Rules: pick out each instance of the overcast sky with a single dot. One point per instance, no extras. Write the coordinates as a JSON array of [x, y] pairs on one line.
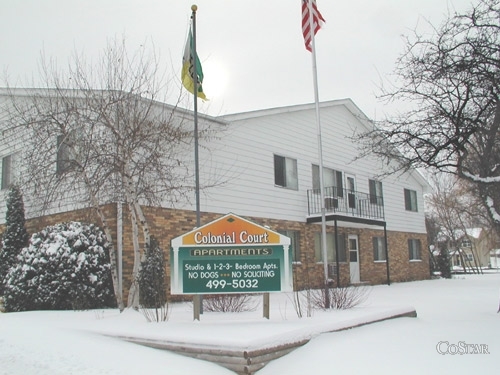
[[252, 51]]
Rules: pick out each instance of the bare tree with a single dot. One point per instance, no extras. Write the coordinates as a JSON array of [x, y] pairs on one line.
[[433, 230], [455, 210], [101, 133], [450, 83]]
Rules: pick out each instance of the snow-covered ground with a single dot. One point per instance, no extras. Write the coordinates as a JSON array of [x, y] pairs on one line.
[[454, 316]]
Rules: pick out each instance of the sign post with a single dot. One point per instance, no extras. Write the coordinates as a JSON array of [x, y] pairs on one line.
[[231, 255]]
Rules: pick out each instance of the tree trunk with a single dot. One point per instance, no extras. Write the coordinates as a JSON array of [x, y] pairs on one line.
[[137, 215], [475, 257], [462, 259], [144, 224], [133, 293], [112, 260], [132, 197], [112, 254]]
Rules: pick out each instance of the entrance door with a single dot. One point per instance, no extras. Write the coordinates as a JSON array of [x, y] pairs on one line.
[[354, 258]]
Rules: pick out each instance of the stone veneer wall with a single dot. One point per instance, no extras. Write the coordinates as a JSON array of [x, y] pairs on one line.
[[166, 224]]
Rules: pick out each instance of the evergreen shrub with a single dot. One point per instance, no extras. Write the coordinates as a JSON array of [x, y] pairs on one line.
[[65, 267]]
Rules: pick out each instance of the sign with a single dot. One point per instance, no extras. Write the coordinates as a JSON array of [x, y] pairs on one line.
[[230, 255]]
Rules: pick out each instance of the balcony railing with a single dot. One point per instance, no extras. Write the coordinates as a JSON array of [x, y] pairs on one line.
[[346, 202]]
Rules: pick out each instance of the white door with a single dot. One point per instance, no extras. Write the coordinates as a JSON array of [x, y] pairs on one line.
[[354, 258]]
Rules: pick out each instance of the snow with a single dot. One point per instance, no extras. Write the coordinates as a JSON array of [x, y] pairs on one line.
[[463, 309], [490, 203], [471, 232]]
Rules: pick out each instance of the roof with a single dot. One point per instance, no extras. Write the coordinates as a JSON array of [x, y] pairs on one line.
[[470, 232], [346, 102], [75, 93]]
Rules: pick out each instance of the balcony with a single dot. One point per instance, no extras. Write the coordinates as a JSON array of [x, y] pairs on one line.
[[345, 203]]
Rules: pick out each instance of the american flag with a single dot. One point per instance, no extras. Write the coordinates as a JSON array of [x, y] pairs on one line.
[[306, 26]]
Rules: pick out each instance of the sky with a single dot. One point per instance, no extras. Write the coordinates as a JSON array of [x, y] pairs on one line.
[[453, 315], [252, 51]]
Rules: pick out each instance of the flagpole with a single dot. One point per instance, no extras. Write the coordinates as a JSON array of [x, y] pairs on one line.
[[197, 299], [320, 154], [194, 8]]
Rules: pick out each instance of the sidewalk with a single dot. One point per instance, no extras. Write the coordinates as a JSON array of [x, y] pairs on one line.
[[242, 356]]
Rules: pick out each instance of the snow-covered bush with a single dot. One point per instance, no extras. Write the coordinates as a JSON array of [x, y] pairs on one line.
[[443, 262], [15, 236], [65, 267], [152, 286]]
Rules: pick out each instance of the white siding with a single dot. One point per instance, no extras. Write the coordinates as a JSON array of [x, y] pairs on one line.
[[246, 155], [10, 143], [239, 164], [66, 195]]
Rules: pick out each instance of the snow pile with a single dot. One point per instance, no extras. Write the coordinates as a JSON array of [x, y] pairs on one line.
[[462, 309]]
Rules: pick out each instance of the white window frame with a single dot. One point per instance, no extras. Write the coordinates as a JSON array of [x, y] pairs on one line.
[[294, 243], [65, 156], [333, 179], [330, 248], [376, 192], [411, 203], [68, 150], [6, 172], [9, 170], [466, 243], [288, 176], [379, 252], [414, 249]]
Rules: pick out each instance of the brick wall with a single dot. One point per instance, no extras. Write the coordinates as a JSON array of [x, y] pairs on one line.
[[401, 268], [166, 224]]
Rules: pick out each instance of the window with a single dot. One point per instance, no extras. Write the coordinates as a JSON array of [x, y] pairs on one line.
[[379, 249], [376, 194], [9, 170], [65, 154], [414, 249], [294, 244], [332, 181], [330, 248], [6, 171], [285, 172], [410, 200], [466, 243]]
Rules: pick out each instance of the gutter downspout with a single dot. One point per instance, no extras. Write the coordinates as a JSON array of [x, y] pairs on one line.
[[387, 256]]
